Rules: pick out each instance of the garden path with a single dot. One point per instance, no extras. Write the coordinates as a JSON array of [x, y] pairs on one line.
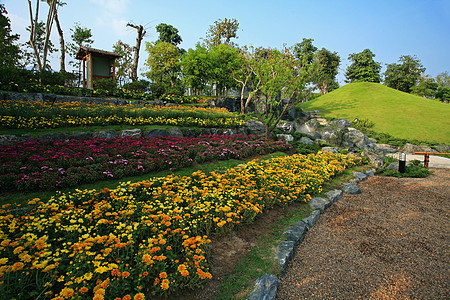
[[390, 242]]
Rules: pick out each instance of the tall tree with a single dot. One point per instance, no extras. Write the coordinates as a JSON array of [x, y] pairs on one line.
[[363, 68], [164, 63], [281, 85], [427, 87], [304, 52], [124, 64], [246, 78], [9, 50], [404, 75], [443, 79], [196, 69], [39, 43], [62, 44], [41, 61], [221, 32], [324, 70], [169, 34], [81, 36], [225, 60], [140, 35]]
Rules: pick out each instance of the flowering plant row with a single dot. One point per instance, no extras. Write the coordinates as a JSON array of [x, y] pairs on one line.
[[146, 238], [33, 115], [33, 165]]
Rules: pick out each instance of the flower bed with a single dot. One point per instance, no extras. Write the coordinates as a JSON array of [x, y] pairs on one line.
[[145, 238], [33, 165], [34, 115]]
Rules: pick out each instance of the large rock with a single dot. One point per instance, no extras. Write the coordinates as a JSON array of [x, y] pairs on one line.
[[156, 132], [131, 133], [350, 188], [375, 159], [341, 123], [286, 126], [105, 134], [385, 148], [331, 134], [286, 137], [175, 131], [230, 104], [255, 127], [265, 288], [334, 195], [359, 176], [312, 219], [8, 139], [319, 203], [411, 149], [285, 253], [330, 149], [81, 135], [57, 136], [308, 127], [297, 232], [305, 140], [357, 139]]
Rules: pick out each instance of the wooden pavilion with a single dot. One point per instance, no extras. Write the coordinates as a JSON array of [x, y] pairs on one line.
[[96, 64]]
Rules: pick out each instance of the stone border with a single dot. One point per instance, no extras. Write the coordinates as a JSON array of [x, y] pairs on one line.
[[266, 286]]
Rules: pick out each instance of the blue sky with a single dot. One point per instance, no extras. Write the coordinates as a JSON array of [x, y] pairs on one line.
[[389, 28]]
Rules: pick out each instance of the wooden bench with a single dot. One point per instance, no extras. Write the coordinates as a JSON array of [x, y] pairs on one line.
[[426, 159]]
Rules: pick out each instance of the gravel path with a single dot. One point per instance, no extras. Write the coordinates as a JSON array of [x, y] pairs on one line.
[[390, 242]]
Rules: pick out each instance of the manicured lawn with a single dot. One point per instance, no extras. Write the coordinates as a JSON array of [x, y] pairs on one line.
[[399, 114]]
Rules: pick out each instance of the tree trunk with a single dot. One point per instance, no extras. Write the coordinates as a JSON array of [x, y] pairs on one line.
[[141, 34], [62, 58]]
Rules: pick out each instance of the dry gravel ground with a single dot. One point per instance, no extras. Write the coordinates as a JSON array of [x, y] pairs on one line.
[[390, 242]]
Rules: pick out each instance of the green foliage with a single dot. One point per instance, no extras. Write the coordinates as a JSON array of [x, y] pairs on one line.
[[410, 171], [362, 123], [324, 70], [164, 63], [427, 87], [124, 64], [304, 52], [443, 94], [404, 75], [168, 34], [105, 83], [39, 42], [224, 61], [221, 32], [307, 149], [443, 79], [363, 68], [9, 50], [137, 86], [81, 36], [196, 68]]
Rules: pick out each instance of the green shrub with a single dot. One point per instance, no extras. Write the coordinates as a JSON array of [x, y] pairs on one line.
[[410, 171], [105, 84]]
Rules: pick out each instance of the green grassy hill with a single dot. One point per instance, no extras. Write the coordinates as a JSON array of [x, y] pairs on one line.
[[399, 114]]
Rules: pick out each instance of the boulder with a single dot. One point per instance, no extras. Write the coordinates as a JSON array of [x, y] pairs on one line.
[[357, 139], [131, 133], [305, 140], [359, 176], [105, 134], [330, 134], [312, 219], [156, 132], [286, 126], [375, 159], [308, 127], [286, 137], [330, 149], [8, 139], [285, 253], [334, 195], [57, 136], [319, 203], [385, 148], [341, 123], [175, 131], [188, 132], [255, 127], [411, 149], [350, 188], [230, 104], [297, 232], [265, 288], [81, 135]]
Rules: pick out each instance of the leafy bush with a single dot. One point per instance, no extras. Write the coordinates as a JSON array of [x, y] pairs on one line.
[[105, 84], [410, 171], [137, 86]]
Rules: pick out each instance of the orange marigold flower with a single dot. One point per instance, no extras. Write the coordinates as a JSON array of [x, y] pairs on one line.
[[98, 297], [145, 274], [83, 290], [165, 284], [139, 296], [162, 241], [163, 275], [115, 272], [157, 281], [126, 297], [184, 273], [125, 274], [67, 292]]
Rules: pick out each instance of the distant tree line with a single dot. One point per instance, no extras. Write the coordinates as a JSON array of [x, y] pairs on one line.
[[216, 66]]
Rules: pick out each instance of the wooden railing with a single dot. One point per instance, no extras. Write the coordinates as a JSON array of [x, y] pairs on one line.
[[426, 159]]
